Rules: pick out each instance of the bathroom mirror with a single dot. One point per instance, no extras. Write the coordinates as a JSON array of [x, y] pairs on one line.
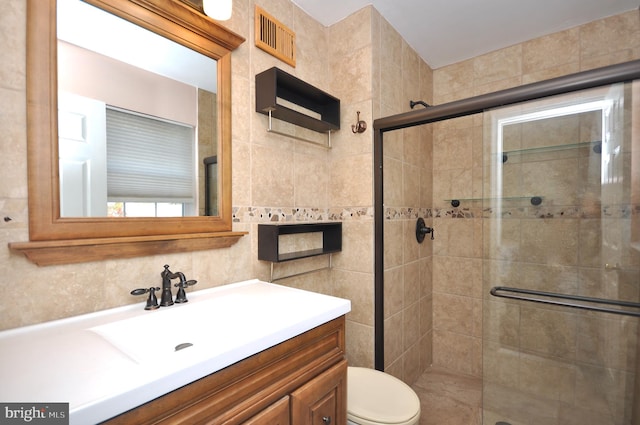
[[136, 119], [58, 239]]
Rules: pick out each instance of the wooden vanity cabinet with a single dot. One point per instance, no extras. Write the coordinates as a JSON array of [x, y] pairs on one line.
[[301, 381], [276, 414], [322, 401]]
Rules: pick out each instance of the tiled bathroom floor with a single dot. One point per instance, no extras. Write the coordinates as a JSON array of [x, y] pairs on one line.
[[449, 399]]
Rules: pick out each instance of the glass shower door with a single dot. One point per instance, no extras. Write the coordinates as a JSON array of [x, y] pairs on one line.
[[561, 269]]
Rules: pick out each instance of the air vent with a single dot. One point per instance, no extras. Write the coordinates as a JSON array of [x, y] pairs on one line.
[[275, 38]]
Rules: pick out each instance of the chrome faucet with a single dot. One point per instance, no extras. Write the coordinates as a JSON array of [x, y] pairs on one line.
[[167, 296]]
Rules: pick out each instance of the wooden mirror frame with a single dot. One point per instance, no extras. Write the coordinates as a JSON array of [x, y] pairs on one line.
[[63, 240]]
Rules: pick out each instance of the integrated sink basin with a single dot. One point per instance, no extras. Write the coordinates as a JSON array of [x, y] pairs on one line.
[[160, 335], [108, 362], [200, 328]]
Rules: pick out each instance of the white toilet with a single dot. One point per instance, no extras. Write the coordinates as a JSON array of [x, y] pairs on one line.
[[377, 398]]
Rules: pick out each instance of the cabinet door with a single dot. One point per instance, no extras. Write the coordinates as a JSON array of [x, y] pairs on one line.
[[276, 414], [323, 400]]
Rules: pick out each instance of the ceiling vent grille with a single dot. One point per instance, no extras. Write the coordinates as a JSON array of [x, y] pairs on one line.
[[275, 38]]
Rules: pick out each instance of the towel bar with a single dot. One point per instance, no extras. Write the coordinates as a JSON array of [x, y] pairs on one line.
[[514, 293]]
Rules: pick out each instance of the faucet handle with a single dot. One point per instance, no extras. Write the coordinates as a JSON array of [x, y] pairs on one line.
[[181, 296], [152, 301], [186, 283]]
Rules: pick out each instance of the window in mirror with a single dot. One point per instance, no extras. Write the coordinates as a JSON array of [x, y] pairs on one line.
[[150, 161]]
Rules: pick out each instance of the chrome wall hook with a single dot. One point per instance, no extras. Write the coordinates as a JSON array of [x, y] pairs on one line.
[[360, 126]]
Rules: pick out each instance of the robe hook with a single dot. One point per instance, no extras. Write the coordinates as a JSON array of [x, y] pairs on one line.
[[360, 126]]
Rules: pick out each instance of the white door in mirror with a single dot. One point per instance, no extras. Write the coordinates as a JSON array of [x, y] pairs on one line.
[[83, 156]]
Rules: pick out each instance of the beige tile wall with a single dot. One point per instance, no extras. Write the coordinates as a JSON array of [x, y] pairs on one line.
[[350, 176], [400, 76]]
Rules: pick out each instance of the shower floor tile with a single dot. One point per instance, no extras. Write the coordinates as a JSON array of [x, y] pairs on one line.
[[447, 398]]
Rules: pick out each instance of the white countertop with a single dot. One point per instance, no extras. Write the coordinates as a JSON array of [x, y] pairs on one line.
[[111, 361]]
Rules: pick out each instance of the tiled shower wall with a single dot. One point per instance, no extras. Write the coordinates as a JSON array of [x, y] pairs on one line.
[[400, 76], [458, 173]]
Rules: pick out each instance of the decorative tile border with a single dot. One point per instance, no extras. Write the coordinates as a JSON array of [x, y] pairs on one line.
[[530, 212], [286, 215], [406, 213]]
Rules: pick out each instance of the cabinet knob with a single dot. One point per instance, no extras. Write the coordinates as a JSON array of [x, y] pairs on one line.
[[326, 419]]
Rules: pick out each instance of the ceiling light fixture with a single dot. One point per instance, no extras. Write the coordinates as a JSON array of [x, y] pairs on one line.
[[220, 10]]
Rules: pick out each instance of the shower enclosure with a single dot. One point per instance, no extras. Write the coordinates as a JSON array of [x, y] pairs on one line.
[[559, 208], [561, 261]]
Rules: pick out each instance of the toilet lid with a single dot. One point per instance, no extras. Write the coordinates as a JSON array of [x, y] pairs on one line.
[[380, 398]]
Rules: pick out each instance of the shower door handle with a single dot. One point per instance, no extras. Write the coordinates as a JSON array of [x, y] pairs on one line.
[[561, 300]]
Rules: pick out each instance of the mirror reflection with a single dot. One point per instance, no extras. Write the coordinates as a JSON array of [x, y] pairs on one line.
[[137, 119]]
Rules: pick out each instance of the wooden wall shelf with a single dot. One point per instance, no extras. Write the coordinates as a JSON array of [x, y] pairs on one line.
[[269, 244], [275, 85], [47, 253]]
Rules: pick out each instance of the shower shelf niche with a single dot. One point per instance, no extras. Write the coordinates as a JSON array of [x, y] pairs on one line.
[[596, 146], [533, 200]]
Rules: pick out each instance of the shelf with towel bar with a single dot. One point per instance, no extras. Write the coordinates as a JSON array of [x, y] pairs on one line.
[[269, 240], [285, 97], [269, 243], [562, 300]]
